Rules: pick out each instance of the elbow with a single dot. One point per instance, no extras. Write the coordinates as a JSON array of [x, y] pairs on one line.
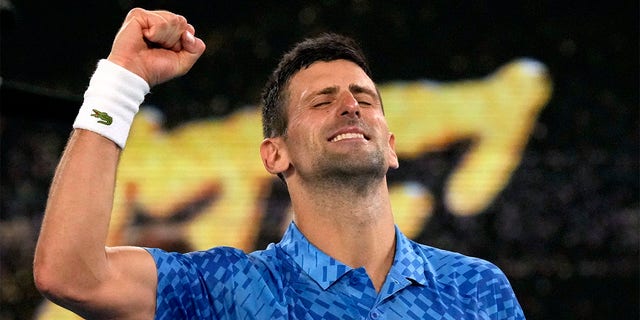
[[66, 279], [46, 281], [45, 276], [54, 289], [50, 282], [65, 291]]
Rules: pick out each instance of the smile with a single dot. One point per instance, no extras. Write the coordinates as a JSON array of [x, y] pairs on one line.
[[349, 135]]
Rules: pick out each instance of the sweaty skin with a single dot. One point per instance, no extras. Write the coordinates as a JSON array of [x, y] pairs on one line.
[[338, 186]]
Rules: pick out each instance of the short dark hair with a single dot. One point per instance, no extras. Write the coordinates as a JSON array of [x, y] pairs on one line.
[[325, 47]]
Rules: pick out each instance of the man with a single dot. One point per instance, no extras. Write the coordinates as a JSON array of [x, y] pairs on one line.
[[325, 136]]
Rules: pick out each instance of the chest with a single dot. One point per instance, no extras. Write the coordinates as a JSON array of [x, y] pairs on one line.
[[352, 296]]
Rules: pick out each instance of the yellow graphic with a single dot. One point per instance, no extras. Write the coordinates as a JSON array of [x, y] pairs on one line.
[[203, 184]]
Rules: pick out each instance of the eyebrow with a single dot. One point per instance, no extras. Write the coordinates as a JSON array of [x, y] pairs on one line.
[[327, 90], [353, 88]]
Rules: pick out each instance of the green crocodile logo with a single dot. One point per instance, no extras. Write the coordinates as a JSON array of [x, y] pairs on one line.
[[104, 117]]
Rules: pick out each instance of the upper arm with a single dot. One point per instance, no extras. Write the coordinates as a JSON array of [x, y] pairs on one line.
[[129, 289]]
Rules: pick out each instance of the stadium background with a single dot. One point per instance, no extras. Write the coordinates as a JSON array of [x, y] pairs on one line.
[[574, 196]]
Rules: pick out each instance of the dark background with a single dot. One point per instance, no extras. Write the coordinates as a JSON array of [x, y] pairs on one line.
[[565, 229]]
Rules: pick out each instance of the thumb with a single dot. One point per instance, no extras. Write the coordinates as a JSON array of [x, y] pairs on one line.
[[192, 44], [192, 49]]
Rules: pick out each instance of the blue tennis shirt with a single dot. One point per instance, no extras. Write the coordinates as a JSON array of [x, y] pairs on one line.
[[295, 280]]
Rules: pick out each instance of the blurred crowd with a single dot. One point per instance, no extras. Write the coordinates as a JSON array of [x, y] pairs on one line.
[[566, 228]]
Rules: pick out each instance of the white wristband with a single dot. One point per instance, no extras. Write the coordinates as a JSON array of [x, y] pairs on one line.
[[111, 101]]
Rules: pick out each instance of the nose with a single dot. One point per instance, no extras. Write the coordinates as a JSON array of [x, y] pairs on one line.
[[349, 106]]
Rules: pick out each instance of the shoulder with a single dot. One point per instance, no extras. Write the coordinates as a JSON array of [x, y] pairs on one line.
[[221, 259], [213, 254], [188, 282], [457, 269], [470, 279], [217, 256], [471, 283], [210, 265]]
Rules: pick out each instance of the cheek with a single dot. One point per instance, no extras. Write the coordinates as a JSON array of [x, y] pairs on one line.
[[299, 135], [295, 130], [295, 119], [381, 124], [303, 127]]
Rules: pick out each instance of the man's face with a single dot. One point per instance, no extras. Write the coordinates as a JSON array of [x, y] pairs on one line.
[[336, 125]]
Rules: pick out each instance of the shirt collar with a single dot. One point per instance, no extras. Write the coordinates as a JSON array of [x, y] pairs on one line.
[[325, 270], [408, 263]]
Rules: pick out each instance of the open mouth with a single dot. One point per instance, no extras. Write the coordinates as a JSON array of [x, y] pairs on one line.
[[348, 135]]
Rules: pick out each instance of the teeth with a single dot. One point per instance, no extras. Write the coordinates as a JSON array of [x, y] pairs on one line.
[[347, 136]]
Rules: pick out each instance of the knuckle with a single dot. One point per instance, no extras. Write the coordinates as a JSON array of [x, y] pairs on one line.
[[135, 11], [177, 20]]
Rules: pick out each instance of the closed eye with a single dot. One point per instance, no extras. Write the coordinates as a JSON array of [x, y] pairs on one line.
[[364, 99], [320, 104]]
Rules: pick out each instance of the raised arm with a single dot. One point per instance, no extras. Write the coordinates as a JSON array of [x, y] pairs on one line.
[[72, 265]]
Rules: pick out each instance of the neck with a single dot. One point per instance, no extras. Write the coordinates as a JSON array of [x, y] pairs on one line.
[[350, 225]]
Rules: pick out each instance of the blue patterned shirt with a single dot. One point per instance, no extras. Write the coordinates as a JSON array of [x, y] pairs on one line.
[[295, 280]]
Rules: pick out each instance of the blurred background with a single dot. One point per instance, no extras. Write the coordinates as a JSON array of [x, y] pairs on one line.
[[565, 228]]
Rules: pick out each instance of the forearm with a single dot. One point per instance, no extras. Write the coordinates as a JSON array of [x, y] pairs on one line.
[[72, 267], [70, 256], [71, 247]]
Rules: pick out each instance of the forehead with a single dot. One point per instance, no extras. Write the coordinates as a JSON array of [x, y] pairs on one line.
[[322, 74]]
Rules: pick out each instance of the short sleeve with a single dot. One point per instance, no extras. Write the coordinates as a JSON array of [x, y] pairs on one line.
[[194, 285]]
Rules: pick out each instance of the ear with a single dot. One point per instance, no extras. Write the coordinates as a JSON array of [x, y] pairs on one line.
[[392, 156], [274, 155]]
